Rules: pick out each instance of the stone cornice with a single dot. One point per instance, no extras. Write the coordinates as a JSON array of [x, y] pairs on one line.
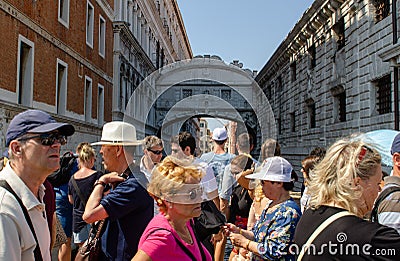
[[391, 54], [312, 20], [105, 6], [182, 26], [122, 28]]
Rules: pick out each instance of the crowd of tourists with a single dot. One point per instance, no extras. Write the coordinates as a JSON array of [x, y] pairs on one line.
[[178, 206]]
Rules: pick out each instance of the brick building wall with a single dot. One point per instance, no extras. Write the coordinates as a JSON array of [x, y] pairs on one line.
[[37, 24]]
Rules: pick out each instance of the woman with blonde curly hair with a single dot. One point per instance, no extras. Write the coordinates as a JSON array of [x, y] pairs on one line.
[[343, 187], [175, 186]]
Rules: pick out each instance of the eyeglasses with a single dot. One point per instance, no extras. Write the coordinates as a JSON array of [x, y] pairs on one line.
[[157, 152], [48, 139], [175, 150], [191, 195]]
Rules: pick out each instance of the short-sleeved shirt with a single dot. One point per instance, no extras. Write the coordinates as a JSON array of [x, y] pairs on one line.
[[160, 244], [85, 186], [274, 231], [130, 209], [16, 239], [217, 162], [208, 181], [228, 183], [359, 239]]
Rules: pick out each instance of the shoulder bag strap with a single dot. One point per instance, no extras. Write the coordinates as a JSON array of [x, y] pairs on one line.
[[78, 191], [378, 201], [38, 254], [203, 255], [320, 229]]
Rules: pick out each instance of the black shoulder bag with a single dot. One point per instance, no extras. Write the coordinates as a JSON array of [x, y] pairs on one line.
[[37, 253]]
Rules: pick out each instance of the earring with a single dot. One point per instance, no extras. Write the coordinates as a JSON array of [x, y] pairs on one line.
[[170, 206]]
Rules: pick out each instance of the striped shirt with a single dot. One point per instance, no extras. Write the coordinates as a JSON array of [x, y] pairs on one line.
[[389, 209]]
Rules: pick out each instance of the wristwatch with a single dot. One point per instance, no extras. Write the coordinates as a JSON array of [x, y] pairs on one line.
[[99, 182]]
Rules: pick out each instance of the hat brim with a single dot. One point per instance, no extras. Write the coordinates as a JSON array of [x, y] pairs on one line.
[[119, 143], [63, 128], [273, 177]]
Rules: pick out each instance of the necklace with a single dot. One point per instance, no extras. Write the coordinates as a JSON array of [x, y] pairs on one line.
[[185, 236]]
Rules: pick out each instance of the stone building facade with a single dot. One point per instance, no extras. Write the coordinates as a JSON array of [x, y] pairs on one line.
[[148, 35], [331, 77]]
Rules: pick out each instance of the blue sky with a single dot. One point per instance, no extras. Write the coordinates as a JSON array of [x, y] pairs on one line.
[[248, 31]]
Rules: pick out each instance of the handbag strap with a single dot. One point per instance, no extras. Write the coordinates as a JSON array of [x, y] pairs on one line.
[[78, 191], [319, 229], [36, 251], [100, 228], [203, 255]]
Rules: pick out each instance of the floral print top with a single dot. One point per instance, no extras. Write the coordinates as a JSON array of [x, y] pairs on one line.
[[274, 231]]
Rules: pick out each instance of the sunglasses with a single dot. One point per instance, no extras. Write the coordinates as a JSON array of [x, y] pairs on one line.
[[157, 152], [48, 139], [192, 194]]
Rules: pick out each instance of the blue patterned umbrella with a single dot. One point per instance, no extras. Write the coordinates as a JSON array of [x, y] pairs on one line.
[[382, 140]]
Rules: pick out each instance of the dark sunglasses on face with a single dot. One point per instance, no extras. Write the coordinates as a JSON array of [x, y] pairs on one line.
[[48, 139], [157, 152]]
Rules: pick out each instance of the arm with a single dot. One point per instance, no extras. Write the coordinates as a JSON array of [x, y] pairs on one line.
[[11, 247], [252, 217], [224, 205], [70, 199], [94, 211], [141, 256]]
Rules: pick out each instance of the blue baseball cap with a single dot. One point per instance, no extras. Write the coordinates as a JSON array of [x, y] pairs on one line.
[[395, 144], [35, 121]]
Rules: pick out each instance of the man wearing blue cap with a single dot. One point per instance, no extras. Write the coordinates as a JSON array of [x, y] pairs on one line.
[[34, 140], [388, 209]]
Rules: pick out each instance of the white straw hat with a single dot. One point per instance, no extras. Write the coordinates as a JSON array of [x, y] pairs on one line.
[[273, 169], [118, 133]]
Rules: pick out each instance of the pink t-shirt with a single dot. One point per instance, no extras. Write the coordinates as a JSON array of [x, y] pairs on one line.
[[161, 244]]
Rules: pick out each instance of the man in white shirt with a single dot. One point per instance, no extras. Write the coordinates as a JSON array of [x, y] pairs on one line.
[[152, 148], [34, 140]]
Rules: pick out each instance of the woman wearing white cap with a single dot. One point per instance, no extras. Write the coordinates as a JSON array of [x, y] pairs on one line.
[[272, 235]]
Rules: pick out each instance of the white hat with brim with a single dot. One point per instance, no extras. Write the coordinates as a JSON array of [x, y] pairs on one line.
[[273, 169], [118, 133]]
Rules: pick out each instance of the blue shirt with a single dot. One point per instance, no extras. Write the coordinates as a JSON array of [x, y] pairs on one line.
[[217, 162], [130, 209], [274, 231]]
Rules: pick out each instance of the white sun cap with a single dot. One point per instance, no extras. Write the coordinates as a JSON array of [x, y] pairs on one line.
[[273, 169]]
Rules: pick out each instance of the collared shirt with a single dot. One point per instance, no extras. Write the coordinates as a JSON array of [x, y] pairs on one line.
[[16, 239]]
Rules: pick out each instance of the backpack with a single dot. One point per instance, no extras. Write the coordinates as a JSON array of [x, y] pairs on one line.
[[381, 197], [63, 174]]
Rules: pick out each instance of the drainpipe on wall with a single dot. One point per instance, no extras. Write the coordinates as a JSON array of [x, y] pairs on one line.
[[395, 69]]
